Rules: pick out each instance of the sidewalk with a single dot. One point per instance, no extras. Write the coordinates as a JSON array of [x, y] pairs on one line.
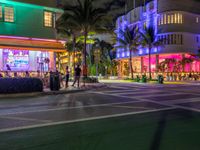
[[187, 82], [70, 89]]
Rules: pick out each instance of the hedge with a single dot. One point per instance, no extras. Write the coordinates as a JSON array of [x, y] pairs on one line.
[[20, 85]]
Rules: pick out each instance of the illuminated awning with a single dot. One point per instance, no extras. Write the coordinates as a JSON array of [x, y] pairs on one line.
[[31, 44]]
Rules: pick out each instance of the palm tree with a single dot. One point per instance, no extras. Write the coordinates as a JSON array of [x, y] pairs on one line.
[[74, 47], [165, 65], [150, 41], [68, 32], [84, 17], [129, 38], [184, 61], [101, 49]]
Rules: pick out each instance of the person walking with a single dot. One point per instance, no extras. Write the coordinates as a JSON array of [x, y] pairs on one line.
[[67, 77], [77, 75], [27, 74]]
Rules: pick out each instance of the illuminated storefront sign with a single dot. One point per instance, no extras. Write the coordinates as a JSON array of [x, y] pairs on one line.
[[25, 60], [16, 59]]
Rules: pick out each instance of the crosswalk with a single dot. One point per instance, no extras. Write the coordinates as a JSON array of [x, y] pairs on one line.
[[178, 96]]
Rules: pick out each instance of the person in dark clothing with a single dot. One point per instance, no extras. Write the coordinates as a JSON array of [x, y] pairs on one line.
[[8, 67], [77, 75], [67, 77]]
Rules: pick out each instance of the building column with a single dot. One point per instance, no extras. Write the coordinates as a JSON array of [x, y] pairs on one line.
[[119, 69], [142, 64], [183, 56], [157, 63]]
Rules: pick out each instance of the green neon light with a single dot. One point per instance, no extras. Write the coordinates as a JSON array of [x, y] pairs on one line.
[[30, 5]]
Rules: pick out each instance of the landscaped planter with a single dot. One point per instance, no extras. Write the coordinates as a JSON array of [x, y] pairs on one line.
[[20, 85]]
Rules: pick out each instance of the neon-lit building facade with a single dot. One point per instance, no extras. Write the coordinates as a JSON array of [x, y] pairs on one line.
[[27, 36], [176, 23]]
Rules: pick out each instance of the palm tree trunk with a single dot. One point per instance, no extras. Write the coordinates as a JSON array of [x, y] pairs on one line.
[[150, 62], [84, 54], [130, 63], [97, 70], [74, 50]]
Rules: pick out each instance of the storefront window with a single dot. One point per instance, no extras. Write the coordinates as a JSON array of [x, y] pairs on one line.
[[43, 61]]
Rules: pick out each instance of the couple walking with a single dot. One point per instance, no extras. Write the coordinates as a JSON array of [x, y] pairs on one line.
[[77, 75]]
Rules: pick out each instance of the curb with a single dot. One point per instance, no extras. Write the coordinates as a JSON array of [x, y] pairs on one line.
[[28, 95]]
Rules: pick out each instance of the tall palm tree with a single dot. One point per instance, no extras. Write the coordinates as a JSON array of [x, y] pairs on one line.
[[85, 17], [129, 38], [150, 41]]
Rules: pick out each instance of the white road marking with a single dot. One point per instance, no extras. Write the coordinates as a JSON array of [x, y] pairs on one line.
[[67, 108], [25, 119], [157, 102], [183, 101], [141, 99], [131, 107], [81, 120]]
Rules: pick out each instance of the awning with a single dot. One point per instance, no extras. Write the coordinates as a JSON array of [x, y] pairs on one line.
[[32, 44]]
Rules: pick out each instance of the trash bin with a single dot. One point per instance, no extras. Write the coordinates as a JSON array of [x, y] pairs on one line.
[[51, 80], [160, 79], [144, 78], [54, 81]]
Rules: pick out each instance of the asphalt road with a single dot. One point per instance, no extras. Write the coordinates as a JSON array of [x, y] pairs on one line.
[[117, 101]]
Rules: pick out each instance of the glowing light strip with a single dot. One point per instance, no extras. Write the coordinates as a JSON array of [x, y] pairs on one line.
[[27, 38]]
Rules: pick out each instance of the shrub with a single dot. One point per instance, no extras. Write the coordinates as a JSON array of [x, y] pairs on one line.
[[90, 80], [20, 85]]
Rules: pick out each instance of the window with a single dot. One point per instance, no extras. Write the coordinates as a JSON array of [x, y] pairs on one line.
[[168, 39], [48, 19], [159, 20], [175, 39], [171, 39], [172, 18], [181, 36], [165, 18], [1, 13], [197, 19], [8, 14], [180, 18], [168, 19], [175, 18], [162, 21]]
